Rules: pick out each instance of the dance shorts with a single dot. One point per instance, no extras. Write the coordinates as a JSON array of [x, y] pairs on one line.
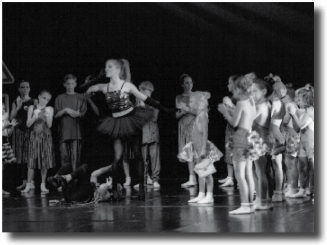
[[306, 148]]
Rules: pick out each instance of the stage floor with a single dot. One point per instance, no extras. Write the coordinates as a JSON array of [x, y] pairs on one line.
[[165, 210]]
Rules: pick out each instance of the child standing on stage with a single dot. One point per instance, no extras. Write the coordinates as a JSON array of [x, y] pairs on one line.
[[69, 108], [150, 140], [276, 136], [244, 115], [260, 93], [7, 129], [200, 148], [41, 153], [305, 100], [292, 143], [229, 133]]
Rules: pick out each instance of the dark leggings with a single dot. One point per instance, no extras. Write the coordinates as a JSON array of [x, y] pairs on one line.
[[80, 190], [136, 144]]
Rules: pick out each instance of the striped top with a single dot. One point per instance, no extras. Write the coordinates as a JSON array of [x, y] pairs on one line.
[[118, 100]]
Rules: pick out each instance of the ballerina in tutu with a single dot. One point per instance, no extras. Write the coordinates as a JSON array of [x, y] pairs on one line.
[[201, 151], [125, 121]]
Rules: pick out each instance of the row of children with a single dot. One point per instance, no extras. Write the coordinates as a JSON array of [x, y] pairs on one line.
[[266, 119], [29, 125]]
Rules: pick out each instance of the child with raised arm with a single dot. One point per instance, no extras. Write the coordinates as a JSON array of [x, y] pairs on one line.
[[201, 149], [260, 93], [41, 152], [305, 122], [242, 120], [276, 136], [69, 108], [230, 104], [7, 129]]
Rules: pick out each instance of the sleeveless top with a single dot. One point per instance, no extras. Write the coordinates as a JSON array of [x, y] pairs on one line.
[[118, 100]]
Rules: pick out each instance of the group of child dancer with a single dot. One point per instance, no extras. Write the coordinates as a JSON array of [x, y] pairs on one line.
[[266, 119], [267, 122]]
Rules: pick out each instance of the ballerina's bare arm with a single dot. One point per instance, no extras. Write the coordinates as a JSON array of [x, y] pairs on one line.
[[30, 119], [133, 90]]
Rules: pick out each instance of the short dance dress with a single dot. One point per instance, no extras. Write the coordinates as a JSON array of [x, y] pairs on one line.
[[127, 125]]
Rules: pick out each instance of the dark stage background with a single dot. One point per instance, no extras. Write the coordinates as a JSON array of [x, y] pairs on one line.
[[209, 41]]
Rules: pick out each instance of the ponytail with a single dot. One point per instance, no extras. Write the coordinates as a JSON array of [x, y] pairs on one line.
[[125, 73]]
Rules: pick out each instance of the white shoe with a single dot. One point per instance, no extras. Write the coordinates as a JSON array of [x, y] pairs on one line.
[[149, 181], [156, 184], [188, 184], [278, 196], [136, 186], [197, 199], [127, 181], [228, 183], [244, 209], [221, 181], [5, 192], [300, 194], [59, 189], [27, 188], [43, 189], [207, 199]]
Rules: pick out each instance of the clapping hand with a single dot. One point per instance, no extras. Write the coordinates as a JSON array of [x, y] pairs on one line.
[[228, 102], [291, 109], [222, 108]]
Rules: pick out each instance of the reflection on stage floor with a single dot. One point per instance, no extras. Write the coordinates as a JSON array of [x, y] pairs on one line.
[[165, 210]]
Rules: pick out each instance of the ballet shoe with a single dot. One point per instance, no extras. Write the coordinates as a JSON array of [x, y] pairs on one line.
[[290, 192], [197, 199], [278, 197], [300, 194], [207, 199], [43, 188], [137, 186], [221, 181], [27, 188], [127, 181], [22, 186], [229, 182], [308, 192], [5, 192], [244, 209], [188, 184], [262, 205], [32, 185], [149, 181], [156, 184]]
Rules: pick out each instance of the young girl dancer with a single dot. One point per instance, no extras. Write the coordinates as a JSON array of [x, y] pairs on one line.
[[41, 152], [185, 123], [21, 134], [260, 93], [229, 133], [7, 129], [200, 148], [292, 142], [276, 136], [244, 115], [126, 122], [305, 100]]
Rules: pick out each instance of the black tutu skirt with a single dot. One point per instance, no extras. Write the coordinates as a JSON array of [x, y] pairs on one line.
[[127, 125]]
